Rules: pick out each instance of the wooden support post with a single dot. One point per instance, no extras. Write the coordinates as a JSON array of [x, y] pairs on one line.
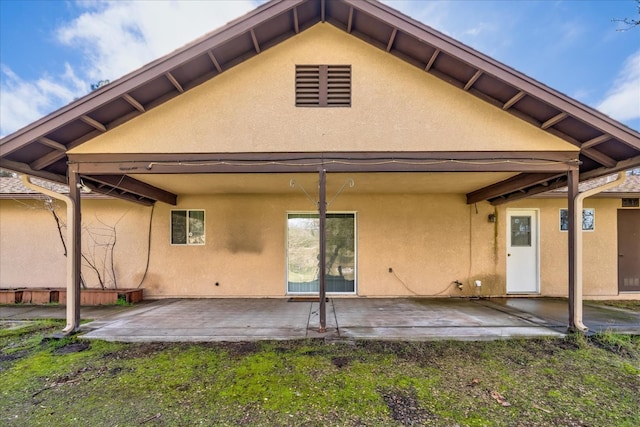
[[572, 192], [322, 209], [75, 249]]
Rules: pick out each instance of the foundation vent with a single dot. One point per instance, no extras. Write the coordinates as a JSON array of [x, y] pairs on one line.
[[323, 85]]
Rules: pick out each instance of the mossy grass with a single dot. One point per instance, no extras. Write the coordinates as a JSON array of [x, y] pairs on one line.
[[545, 382]]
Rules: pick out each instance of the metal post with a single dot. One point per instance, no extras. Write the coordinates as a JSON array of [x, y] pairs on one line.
[[73, 295], [572, 192], [322, 209]]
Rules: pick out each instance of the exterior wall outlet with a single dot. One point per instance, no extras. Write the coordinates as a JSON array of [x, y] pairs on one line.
[[478, 283]]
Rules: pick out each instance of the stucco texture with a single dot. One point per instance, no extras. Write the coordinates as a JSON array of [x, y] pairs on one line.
[[395, 106]]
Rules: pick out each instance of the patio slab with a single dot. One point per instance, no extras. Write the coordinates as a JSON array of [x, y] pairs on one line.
[[406, 319]]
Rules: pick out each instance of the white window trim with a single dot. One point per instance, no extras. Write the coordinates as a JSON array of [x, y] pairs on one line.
[[187, 231]]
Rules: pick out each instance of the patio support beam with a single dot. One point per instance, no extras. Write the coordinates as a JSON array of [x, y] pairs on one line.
[[134, 186], [573, 178], [509, 185], [75, 251], [322, 210]]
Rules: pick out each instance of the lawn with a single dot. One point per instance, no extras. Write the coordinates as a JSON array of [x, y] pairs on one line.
[[543, 382]]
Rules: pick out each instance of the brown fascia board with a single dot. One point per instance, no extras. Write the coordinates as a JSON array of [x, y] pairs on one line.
[[133, 80], [499, 70]]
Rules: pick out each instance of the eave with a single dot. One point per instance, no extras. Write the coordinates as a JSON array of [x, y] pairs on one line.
[[606, 146]]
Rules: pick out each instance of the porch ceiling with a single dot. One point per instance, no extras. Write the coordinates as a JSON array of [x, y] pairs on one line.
[[606, 146], [364, 183]]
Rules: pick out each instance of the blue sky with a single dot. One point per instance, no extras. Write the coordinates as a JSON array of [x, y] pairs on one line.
[[51, 51]]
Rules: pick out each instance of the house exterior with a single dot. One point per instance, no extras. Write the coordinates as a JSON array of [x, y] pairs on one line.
[[338, 133]]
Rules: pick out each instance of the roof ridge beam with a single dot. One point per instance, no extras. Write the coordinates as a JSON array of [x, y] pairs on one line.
[[94, 123]]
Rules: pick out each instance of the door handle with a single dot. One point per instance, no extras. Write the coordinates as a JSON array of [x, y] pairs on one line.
[[620, 255]]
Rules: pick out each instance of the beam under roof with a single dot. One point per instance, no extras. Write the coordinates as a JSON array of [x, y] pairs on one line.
[[133, 186], [509, 185]]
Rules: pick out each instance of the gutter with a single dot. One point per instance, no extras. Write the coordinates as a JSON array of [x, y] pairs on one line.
[[72, 323], [577, 204]]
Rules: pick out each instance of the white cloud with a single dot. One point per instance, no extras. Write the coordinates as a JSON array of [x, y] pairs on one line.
[[114, 38], [622, 101], [25, 101]]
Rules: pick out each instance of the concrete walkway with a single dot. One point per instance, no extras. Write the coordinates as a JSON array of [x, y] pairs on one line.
[[193, 320]]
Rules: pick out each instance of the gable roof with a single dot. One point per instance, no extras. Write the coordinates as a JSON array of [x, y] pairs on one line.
[[605, 145]]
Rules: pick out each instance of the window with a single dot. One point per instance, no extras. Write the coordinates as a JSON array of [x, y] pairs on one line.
[[187, 227], [323, 85], [588, 219], [303, 241]]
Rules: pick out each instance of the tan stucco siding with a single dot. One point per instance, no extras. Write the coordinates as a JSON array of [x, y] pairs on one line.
[[429, 240], [600, 260], [32, 253], [395, 106]]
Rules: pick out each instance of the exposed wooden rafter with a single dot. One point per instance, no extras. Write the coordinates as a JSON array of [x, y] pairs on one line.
[[91, 122], [133, 186], [516, 183], [392, 39], [27, 170], [595, 141], [432, 60], [473, 79], [52, 144], [515, 98], [296, 24], [174, 82], [215, 61], [599, 157], [323, 10], [350, 20], [46, 160], [133, 102], [553, 120], [256, 45]]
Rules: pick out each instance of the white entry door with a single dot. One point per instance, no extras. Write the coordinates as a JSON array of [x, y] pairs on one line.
[[523, 272]]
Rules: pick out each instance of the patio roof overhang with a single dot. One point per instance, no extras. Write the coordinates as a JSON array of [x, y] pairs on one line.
[[40, 149]]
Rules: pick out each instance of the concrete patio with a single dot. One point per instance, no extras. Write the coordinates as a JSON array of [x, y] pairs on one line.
[[347, 318]]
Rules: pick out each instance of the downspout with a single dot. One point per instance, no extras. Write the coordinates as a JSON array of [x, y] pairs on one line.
[[577, 203], [72, 323]]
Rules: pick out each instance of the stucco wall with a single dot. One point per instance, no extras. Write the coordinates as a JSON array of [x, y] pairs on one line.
[[429, 240], [395, 106], [600, 260], [32, 254]]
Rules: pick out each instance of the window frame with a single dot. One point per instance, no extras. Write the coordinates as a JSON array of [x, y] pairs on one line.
[[355, 252], [187, 227]]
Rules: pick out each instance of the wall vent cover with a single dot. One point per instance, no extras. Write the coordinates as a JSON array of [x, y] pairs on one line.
[[323, 85]]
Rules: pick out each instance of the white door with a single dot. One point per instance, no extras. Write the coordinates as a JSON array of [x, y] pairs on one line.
[[522, 252]]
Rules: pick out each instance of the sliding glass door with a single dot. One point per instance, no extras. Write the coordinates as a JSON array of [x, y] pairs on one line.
[[303, 241]]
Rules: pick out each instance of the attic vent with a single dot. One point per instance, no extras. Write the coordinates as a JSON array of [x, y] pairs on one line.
[[323, 85]]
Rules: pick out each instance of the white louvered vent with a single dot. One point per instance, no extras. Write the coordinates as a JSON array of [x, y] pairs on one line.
[[323, 85]]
